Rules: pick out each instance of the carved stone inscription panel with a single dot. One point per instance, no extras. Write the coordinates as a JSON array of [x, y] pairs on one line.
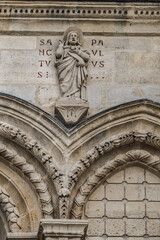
[[120, 69], [126, 206]]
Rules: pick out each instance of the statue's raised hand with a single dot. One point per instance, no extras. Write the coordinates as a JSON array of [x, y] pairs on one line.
[[60, 43]]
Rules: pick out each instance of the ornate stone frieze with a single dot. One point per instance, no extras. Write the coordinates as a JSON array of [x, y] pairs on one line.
[[140, 156], [71, 64], [10, 210], [100, 11]]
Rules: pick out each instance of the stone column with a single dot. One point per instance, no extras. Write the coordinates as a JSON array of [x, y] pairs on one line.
[[62, 229]]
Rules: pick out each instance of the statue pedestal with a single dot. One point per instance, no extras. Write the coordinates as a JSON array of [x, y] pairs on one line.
[[71, 111]]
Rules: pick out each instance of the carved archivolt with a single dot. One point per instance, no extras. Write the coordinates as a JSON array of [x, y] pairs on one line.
[[140, 156], [107, 146], [34, 177], [33, 147], [48, 162], [10, 210]]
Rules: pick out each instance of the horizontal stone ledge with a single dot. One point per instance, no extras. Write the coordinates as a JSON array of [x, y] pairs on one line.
[[79, 10], [22, 236], [56, 27], [54, 228]]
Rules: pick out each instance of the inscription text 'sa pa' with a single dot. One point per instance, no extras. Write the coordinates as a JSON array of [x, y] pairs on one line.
[[71, 63]]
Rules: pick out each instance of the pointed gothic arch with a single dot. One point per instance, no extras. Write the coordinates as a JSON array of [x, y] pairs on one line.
[[140, 157], [55, 159]]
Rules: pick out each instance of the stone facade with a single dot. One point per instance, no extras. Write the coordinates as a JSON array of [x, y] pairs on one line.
[[99, 179]]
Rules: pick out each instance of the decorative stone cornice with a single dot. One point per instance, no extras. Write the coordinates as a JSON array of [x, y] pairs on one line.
[[55, 10], [139, 156]]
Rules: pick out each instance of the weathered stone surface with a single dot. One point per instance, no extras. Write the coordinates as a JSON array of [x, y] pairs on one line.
[[153, 192], [62, 229], [94, 209], [95, 227], [105, 170], [134, 175], [18, 42], [135, 227], [131, 216], [114, 192], [115, 227], [135, 209], [114, 209], [123, 56], [135, 192]]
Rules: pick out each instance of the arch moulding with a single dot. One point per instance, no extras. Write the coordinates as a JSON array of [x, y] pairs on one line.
[[56, 148], [140, 157]]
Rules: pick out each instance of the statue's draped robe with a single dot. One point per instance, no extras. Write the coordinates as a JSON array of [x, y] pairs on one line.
[[72, 77]]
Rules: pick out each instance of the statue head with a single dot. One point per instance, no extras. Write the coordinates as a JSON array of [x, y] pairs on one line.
[[73, 36]]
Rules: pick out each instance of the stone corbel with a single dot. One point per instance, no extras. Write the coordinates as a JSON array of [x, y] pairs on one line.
[[62, 229]]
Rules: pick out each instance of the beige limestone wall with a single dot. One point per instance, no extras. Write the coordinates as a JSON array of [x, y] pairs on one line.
[[121, 69], [126, 205], [123, 41]]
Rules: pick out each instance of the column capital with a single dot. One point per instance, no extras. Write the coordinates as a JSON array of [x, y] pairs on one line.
[[65, 229]]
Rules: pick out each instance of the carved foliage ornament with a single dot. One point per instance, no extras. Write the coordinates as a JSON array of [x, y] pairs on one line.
[[71, 64], [34, 177], [10, 210], [107, 146], [47, 160], [33, 147]]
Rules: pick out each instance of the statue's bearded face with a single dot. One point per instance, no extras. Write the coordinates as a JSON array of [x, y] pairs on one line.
[[73, 38]]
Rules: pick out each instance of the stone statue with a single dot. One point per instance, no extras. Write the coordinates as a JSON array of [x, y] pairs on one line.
[[71, 64]]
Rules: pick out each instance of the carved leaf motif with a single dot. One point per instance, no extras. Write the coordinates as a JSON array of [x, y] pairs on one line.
[[34, 177], [11, 211]]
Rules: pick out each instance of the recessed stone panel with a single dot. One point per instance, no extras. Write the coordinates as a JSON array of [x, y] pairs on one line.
[[114, 209], [115, 227], [98, 194], [134, 175], [153, 192], [94, 209], [152, 178], [116, 178], [135, 227], [153, 209], [114, 191], [96, 227], [135, 209], [135, 192], [153, 227]]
